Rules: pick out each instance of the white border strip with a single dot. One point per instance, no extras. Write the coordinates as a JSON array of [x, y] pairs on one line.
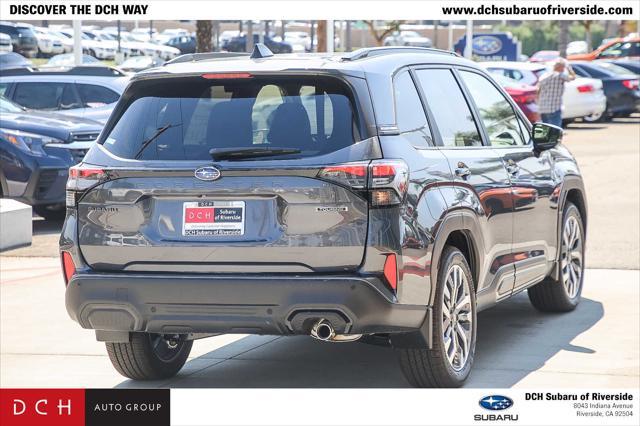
[[312, 9], [377, 407]]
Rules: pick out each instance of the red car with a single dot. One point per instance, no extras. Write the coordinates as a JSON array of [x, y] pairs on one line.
[[524, 95]]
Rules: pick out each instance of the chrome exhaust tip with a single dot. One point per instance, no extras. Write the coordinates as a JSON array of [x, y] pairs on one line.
[[323, 330]]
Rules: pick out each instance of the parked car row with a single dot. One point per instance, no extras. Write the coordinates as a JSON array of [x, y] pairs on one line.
[[36, 150], [602, 90]]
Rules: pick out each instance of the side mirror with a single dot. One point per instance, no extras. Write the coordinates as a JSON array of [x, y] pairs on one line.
[[546, 136]]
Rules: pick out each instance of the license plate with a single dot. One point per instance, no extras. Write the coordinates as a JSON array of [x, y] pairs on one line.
[[212, 218]]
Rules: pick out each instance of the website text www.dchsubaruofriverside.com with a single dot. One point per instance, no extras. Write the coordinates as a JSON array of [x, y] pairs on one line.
[[549, 9]]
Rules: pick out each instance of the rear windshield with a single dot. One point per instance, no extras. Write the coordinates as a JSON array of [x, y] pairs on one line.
[[196, 114]]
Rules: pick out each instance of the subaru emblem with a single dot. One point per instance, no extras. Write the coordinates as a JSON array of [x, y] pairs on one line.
[[207, 173], [496, 402]]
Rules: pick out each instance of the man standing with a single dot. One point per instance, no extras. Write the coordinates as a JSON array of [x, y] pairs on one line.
[[550, 91]]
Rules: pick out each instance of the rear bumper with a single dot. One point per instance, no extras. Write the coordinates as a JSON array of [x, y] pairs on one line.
[[233, 304]]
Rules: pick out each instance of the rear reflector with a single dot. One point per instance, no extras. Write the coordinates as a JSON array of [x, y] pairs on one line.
[[68, 267], [630, 84], [585, 88], [391, 271], [226, 75]]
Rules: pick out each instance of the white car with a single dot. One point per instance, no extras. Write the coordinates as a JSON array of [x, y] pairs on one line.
[[299, 40], [108, 40], [142, 34], [5, 43], [48, 45], [583, 97], [67, 43], [95, 48], [148, 49], [407, 38]]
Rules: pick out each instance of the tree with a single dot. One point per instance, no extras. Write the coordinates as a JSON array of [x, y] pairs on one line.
[[563, 38], [203, 36], [587, 34], [322, 36], [388, 28]]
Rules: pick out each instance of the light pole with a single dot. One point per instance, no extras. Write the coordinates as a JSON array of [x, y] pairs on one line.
[[330, 37], [77, 42], [468, 46]]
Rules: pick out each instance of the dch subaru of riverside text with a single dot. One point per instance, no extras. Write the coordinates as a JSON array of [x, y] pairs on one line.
[[384, 196]]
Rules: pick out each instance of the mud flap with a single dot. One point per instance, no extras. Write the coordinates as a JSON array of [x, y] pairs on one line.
[[419, 339]]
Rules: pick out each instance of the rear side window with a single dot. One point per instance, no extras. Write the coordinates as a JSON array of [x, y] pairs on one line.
[[496, 113], [410, 116], [46, 96], [7, 29], [93, 96], [312, 115], [449, 108]]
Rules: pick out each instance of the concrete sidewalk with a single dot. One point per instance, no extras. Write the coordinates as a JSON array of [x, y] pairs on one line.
[[517, 346]]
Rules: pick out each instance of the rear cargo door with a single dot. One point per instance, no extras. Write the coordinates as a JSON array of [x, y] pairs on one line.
[[254, 204]]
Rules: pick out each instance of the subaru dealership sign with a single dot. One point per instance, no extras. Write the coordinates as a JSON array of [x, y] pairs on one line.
[[492, 47]]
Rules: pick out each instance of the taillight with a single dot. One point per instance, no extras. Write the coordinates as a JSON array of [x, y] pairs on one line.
[[353, 175], [226, 75], [80, 179], [390, 271], [68, 267], [585, 88], [630, 84], [388, 182], [385, 180]]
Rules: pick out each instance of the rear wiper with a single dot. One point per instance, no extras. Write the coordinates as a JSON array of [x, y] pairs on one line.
[[242, 153], [146, 143]]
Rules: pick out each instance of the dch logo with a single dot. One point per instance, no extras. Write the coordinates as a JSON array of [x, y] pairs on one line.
[[43, 407], [40, 407]]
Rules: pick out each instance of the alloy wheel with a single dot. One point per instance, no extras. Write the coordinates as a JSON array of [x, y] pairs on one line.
[[457, 318], [571, 262]]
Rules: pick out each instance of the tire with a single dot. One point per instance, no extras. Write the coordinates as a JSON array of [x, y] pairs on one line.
[[595, 117], [424, 367], [563, 295], [54, 213], [147, 357]]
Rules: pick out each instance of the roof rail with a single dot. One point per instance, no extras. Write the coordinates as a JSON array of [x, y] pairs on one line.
[[369, 52], [197, 57], [88, 70]]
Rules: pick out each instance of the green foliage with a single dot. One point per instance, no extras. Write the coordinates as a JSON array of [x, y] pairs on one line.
[[543, 35]]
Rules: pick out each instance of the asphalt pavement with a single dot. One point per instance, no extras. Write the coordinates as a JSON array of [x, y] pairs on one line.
[[597, 345]]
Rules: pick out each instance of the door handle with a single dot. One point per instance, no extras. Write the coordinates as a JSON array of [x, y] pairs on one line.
[[463, 171]]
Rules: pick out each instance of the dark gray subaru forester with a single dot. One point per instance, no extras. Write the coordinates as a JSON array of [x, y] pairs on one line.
[[386, 195]]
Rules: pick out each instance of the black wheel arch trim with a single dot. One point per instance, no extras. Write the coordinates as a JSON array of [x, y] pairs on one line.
[[464, 221], [569, 183]]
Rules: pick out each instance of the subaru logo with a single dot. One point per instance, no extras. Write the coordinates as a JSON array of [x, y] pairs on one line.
[[496, 402], [207, 173], [486, 45]]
